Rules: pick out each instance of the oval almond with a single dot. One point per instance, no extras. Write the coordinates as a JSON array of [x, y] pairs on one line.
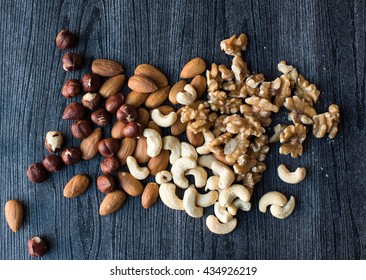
[[157, 97], [89, 145], [126, 149], [112, 86], [178, 127], [195, 139], [150, 195], [117, 128], [153, 73], [154, 126], [130, 184], [14, 214], [193, 68], [76, 186], [159, 163], [142, 84], [106, 67], [112, 202], [141, 150], [143, 116], [136, 99], [199, 84], [178, 87]]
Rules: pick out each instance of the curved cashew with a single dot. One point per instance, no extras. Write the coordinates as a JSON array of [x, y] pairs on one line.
[[271, 198], [238, 204], [188, 96], [189, 203], [172, 144], [227, 176], [199, 174], [222, 214], [169, 198], [140, 173], [212, 183], [206, 161], [207, 199], [154, 142], [187, 150], [228, 195], [163, 120], [179, 168], [291, 177], [208, 136], [215, 226], [163, 176], [282, 212]]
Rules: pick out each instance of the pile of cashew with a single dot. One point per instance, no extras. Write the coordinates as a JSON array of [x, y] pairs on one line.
[[280, 208]]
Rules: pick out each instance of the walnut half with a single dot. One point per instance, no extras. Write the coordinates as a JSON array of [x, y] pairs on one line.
[[327, 123], [292, 138]]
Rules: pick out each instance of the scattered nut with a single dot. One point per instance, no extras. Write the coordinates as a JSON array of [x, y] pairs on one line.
[[90, 82], [132, 130], [89, 145], [163, 120], [140, 173], [130, 184], [142, 84], [126, 113], [172, 144], [109, 165], [72, 62], [76, 186], [108, 147], [169, 198], [74, 111], [106, 67], [154, 142], [150, 195], [193, 68], [178, 170], [112, 202], [65, 39], [91, 100], [189, 203], [140, 153], [52, 163], [101, 117], [163, 176], [71, 88], [291, 177], [114, 102], [53, 141], [37, 173], [106, 183], [71, 156], [112, 86], [37, 246], [14, 214], [126, 149], [81, 129], [216, 227]]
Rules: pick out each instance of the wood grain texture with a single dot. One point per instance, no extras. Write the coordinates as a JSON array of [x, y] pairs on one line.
[[325, 40]]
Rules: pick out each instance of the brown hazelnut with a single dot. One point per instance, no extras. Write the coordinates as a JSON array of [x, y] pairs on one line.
[[37, 173], [114, 102], [108, 147], [132, 130], [71, 88], [36, 246], [106, 183], [72, 61], [74, 111], [101, 117], [53, 163], [90, 82], [53, 141], [65, 39], [71, 156], [109, 165], [81, 129], [91, 100], [127, 113]]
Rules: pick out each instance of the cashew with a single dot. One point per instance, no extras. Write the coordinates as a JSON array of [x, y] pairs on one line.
[[212, 183], [282, 212], [189, 203], [179, 168], [208, 136], [140, 173], [163, 120], [163, 176], [227, 176], [215, 226], [172, 144], [168, 196], [206, 161], [187, 150], [222, 214], [199, 174], [154, 142], [207, 199], [291, 177], [238, 204], [271, 198], [188, 96], [228, 195]]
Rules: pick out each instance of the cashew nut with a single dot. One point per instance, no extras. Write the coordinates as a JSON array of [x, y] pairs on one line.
[[208, 136], [271, 198], [228, 195], [199, 174], [212, 183], [206, 161], [163, 176], [163, 120], [189, 203], [187, 150], [291, 177], [215, 226], [154, 142], [140, 173], [172, 144], [168, 196], [188, 96], [282, 212], [238, 204], [227, 176], [222, 214], [207, 199], [178, 170]]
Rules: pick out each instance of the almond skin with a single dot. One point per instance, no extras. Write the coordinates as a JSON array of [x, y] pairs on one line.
[[89, 145], [136, 99], [141, 150], [14, 214], [153, 125], [112, 86], [199, 84], [112, 202], [157, 97], [126, 149], [195, 139], [117, 128], [130, 184], [165, 109], [159, 163], [150, 195], [76, 186], [178, 87], [153, 73], [143, 116], [106, 67], [178, 127], [142, 84], [193, 68]]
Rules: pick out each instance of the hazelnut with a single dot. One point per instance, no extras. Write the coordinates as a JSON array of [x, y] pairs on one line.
[[109, 165], [132, 130], [81, 129], [90, 82], [71, 156], [108, 147], [53, 163], [65, 39], [72, 61], [127, 113], [53, 141], [37, 173], [71, 88], [106, 183], [114, 102], [36, 246], [91, 100], [74, 111], [101, 117]]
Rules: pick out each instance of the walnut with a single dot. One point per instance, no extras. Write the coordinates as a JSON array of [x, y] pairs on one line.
[[236, 124], [306, 91], [289, 71], [301, 111], [201, 118], [234, 45], [219, 102], [215, 146], [269, 89], [283, 91], [219, 126], [277, 132], [292, 138], [247, 110], [326, 123], [261, 106], [249, 87], [226, 74], [213, 77], [258, 148], [236, 147], [239, 68], [244, 164]]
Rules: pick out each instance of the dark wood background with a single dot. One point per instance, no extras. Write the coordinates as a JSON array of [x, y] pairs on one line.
[[325, 40]]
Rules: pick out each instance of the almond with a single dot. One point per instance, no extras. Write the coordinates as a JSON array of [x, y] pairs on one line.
[[150, 195], [165, 109], [178, 87], [154, 126], [199, 84], [76, 186], [112, 202], [129, 184], [112, 86], [153, 73], [195, 139], [193, 68], [126, 149], [89, 145], [157, 97], [142, 84], [141, 150], [106, 67], [14, 214], [136, 99], [117, 128], [143, 116], [178, 127], [159, 163]]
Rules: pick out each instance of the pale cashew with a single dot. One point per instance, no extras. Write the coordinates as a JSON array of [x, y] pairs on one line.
[[207, 199], [282, 212], [206, 161], [238, 204], [291, 177], [189, 203], [188, 96], [168, 196], [222, 214], [199, 174], [271, 198], [215, 226], [227, 176], [163, 120], [188, 150], [212, 183], [178, 170], [154, 142], [208, 136], [172, 144], [163, 176], [140, 173], [228, 195]]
